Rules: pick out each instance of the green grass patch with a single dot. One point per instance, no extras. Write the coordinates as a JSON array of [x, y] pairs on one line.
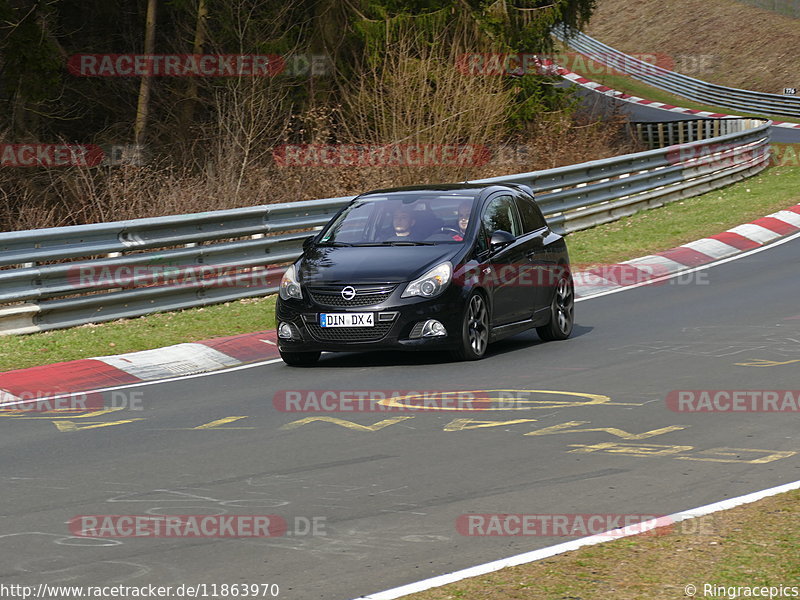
[[687, 220], [641, 234], [142, 333], [753, 546]]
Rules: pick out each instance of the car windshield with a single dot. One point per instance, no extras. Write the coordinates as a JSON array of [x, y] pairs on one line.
[[403, 218]]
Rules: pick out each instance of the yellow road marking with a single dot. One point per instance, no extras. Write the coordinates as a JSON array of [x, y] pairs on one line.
[[345, 423], [52, 415], [632, 449], [462, 424], [731, 454], [67, 426], [217, 424], [565, 428], [762, 362]]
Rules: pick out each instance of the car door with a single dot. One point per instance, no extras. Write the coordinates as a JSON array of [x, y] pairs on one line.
[[538, 242], [501, 268]]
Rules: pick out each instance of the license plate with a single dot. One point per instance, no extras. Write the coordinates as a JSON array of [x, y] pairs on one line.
[[347, 319]]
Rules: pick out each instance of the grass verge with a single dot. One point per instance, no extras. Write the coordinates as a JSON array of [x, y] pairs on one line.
[[687, 220], [638, 235], [753, 545], [142, 333]]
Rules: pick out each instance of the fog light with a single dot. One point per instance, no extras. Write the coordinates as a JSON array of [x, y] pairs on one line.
[[433, 328], [429, 328], [285, 331]]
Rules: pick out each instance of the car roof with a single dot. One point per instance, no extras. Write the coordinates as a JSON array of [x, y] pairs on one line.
[[466, 187]]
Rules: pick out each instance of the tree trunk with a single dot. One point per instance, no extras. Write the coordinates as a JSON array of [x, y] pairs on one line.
[[187, 114], [144, 86]]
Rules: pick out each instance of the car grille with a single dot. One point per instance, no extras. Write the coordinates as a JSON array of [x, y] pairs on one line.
[[366, 295], [349, 334]]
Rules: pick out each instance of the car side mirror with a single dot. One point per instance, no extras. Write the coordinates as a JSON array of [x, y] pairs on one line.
[[308, 242], [500, 238]]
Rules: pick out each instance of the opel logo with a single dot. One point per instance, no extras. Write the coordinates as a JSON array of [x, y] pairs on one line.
[[348, 292]]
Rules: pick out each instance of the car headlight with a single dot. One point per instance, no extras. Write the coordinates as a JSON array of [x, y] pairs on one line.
[[431, 283], [290, 287]]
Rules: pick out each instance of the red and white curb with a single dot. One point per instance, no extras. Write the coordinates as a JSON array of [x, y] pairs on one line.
[[135, 367], [103, 372], [740, 239], [625, 97]]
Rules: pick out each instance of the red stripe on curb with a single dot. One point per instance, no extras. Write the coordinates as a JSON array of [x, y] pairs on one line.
[[247, 347], [686, 256], [736, 240], [63, 378], [776, 225]]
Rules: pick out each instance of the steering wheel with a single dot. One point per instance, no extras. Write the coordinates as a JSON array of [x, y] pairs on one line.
[[451, 230]]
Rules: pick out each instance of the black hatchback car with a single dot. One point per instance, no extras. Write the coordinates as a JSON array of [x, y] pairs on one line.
[[440, 267]]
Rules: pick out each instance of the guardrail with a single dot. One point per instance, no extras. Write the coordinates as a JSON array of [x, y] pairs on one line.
[[130, 268], [679, 84]]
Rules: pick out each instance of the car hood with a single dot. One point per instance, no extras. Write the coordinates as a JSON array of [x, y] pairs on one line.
[[371, 264]]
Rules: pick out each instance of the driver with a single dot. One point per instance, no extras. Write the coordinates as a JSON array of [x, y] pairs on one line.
[[464, 211]]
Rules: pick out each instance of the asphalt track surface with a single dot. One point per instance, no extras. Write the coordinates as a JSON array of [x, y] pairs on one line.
[[601, 104], [390, 493]]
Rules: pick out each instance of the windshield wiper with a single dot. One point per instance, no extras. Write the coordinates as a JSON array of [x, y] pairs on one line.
[[404, 243], [335, 244]]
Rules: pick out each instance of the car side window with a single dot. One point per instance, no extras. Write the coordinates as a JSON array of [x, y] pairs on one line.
[[532, 218], [501, 213]]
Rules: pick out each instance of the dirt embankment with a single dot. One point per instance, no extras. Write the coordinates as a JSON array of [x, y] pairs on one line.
[[721, 41]]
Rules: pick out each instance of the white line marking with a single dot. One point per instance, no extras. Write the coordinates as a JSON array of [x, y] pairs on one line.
[[533, 556], [693, 269]]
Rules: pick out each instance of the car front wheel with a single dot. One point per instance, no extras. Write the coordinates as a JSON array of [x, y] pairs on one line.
[[562, 311], [474, 329]]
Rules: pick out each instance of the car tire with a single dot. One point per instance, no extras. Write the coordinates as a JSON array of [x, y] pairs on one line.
[[562, 311], [474, 329], [300, 359]]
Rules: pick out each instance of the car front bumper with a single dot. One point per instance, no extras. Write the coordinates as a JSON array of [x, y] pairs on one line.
[[394, 321]]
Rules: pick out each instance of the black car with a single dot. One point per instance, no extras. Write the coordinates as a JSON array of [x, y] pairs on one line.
[[440, 267]]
